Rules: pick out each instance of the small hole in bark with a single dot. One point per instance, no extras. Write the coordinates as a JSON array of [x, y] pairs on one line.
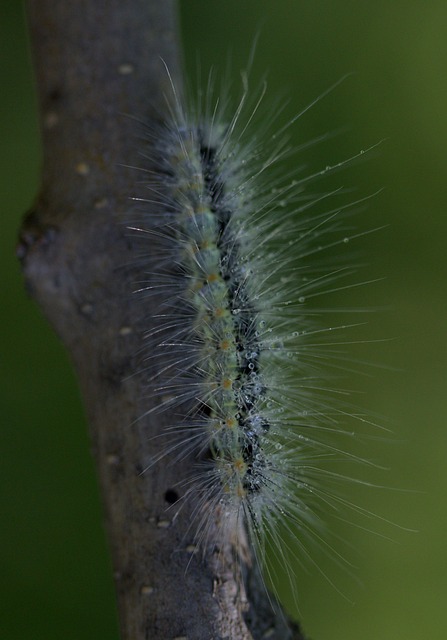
[[55, 95], [171, 496]]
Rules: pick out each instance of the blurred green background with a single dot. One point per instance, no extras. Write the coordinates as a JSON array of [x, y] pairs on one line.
[[55, 574]]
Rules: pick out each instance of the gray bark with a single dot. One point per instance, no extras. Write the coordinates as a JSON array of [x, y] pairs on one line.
[[97, 64]]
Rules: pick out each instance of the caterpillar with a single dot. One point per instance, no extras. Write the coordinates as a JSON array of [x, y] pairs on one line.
[[246, 366]]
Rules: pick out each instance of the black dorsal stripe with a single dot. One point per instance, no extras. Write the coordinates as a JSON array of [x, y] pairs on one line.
[[243, 310]]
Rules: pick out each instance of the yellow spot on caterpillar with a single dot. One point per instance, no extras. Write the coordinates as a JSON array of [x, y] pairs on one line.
[[240, 491], [227, 383], [230, 423], [239, 464], [212, 277], [225, 345]]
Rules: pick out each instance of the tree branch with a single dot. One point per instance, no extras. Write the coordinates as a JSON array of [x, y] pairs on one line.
[[94, 65]]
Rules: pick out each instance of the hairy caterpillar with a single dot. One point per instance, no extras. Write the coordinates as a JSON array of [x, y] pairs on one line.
[[250, 373]]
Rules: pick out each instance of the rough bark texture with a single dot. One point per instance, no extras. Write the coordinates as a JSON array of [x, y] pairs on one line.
[[95, 63]]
